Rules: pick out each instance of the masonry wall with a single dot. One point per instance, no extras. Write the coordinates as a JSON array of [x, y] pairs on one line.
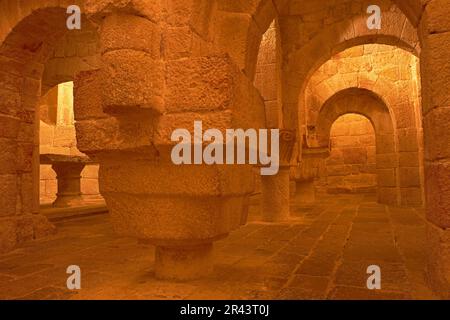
[[392, 74], [351, 167], [266, 77]]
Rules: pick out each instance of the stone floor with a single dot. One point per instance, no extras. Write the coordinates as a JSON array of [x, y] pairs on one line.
[[323, 253]]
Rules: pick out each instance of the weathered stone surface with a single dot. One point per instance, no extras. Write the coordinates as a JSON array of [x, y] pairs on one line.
[[196, 204], [131, 80], [275, 196], [439, 260], [88, 102], [113, 134], [409, 177], [212, 83], [16, 230], [141, 35], [258, 261], [149, 9], [436, 134], [8, 156], [387, 195], [175, 263], [9, 127], [8, 237], [8, 190], [437, 177]]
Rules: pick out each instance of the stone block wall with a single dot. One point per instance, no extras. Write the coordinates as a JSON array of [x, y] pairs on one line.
[[391, 74], [267, 76], [351, 167]]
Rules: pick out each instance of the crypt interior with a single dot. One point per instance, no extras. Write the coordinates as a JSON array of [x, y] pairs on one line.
[[86, 178]]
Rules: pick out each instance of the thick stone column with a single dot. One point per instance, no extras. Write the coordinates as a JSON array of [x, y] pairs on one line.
[[275, 196], [125, 115], [68, 173], [275, 190], [69, 184], [435, 67]]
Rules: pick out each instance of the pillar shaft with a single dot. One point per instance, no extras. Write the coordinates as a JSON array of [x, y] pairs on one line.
[[69, 184], [275, 196]]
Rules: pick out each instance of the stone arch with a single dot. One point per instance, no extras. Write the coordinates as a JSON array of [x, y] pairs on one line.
[[398, 87], [16, 11], [268, 75], [240, 27], [328, 89], [371, 106], [237, 27], [34, 30], [77, 51], [302, 63], [412, 8]]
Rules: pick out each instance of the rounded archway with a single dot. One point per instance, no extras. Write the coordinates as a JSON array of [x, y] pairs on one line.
[[392, 75], [351, 166], [368, 104]]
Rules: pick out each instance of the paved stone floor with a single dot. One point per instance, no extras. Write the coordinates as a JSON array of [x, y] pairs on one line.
[[323, 253]]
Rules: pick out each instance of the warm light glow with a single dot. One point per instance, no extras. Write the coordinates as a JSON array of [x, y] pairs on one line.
[[65, 104]]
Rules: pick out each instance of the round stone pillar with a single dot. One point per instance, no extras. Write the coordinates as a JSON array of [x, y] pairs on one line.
[[275, 196], [68, 173], [69, 186]]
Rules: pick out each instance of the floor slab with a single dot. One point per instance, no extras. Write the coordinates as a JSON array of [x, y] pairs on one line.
[[322, 253]]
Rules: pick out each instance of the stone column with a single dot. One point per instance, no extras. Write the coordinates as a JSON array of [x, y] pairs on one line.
[[435, 67], [68, 173], [275, 196], [126, 113], [275, 190], [69, 179]]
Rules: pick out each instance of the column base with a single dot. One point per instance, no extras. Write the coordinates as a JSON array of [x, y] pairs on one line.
[[183, 263], [65, 201]]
